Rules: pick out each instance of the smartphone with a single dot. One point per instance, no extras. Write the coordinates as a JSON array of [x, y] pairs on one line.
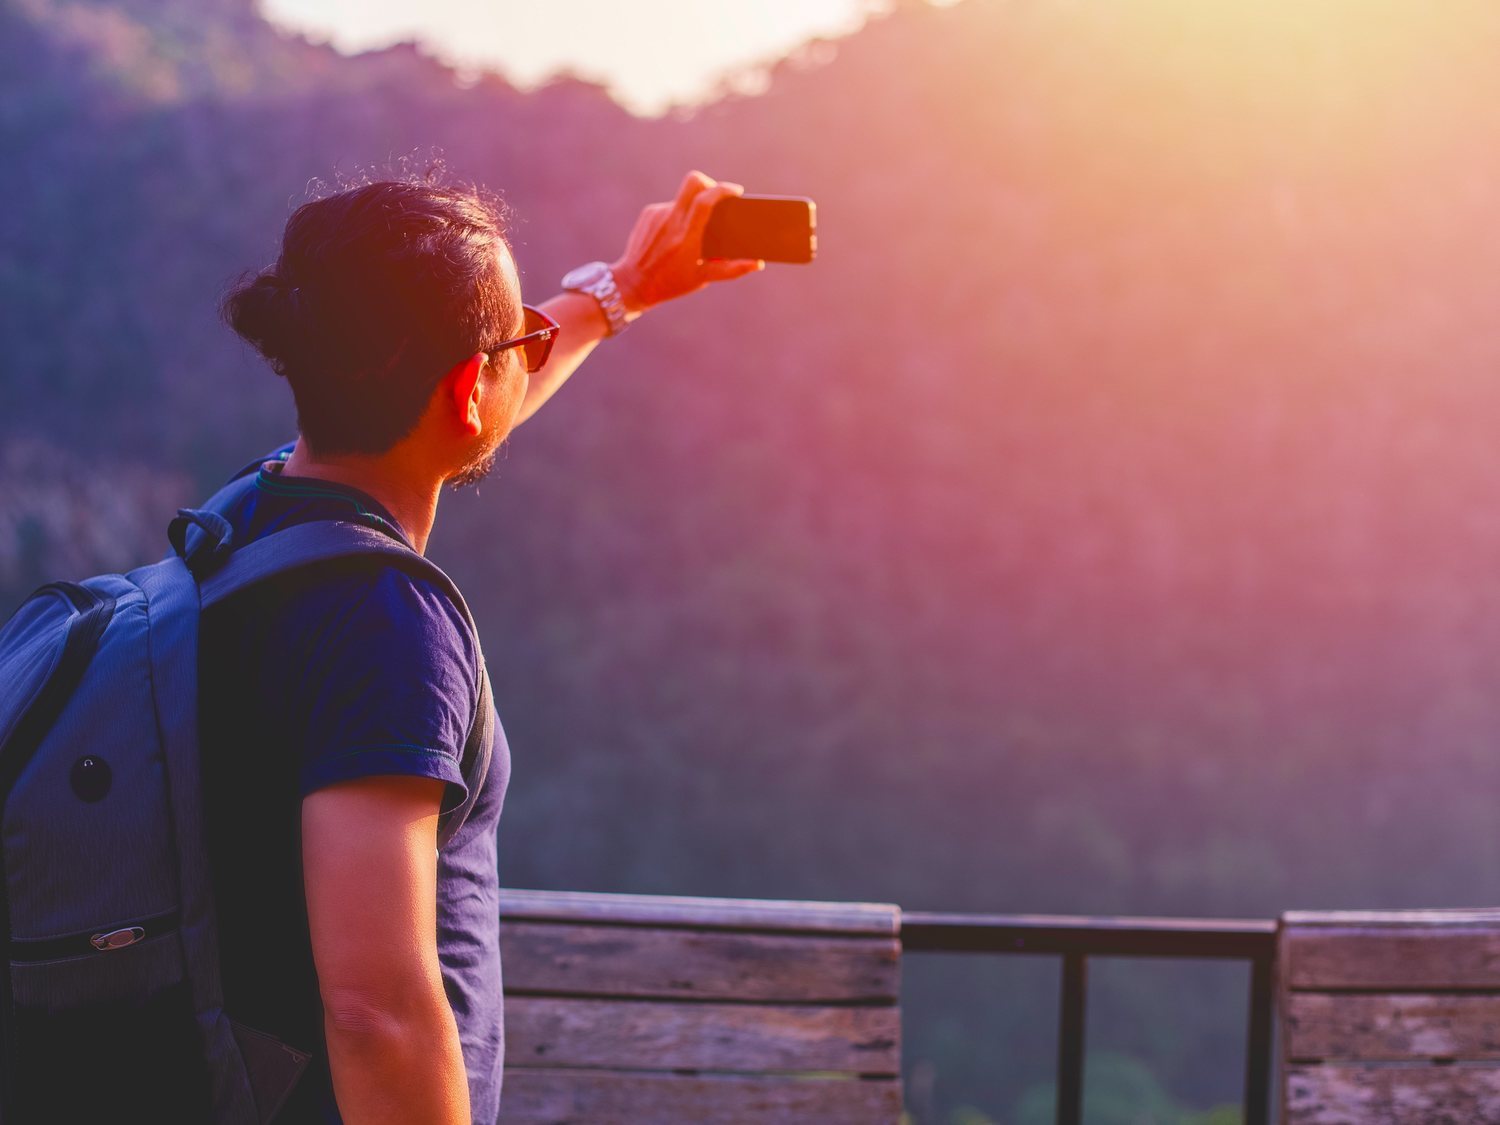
[[777, 228]]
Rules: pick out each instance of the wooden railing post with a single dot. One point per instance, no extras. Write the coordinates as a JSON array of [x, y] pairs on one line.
[[1390, 1018], [667, 1009]]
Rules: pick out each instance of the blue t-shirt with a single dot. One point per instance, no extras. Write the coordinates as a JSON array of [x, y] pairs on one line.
[[330, 673]]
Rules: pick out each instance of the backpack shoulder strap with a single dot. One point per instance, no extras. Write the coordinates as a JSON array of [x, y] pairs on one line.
[[324, 540], [306, 543]]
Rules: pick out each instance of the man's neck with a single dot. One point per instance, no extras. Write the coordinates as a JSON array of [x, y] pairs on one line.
[[409, 496]]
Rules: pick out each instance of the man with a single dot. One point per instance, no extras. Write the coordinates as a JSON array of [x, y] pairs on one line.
[[336, 702]]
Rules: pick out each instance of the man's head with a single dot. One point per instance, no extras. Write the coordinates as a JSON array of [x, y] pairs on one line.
[[380, 312]]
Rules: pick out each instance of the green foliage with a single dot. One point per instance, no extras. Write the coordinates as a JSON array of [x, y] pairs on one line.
[[1219, 1115], [1119, 1090]]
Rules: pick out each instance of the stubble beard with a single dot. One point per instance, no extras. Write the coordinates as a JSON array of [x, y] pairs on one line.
[[476, 469]]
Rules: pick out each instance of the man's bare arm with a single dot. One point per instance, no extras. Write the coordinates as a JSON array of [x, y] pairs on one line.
[[369, 852], [660, 263]]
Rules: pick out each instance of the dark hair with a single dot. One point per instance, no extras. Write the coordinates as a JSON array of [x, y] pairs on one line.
[[378, 291]]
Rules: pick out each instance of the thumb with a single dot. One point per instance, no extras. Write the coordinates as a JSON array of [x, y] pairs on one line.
[[726, 269]]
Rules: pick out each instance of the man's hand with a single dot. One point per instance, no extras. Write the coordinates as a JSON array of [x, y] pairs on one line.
[[661, 259]]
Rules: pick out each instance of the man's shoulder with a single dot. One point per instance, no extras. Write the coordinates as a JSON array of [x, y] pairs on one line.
[[353, 601], [378, 599], [395, 595]]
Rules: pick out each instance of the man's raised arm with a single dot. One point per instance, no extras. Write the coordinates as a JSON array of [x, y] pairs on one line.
[[660, 263]]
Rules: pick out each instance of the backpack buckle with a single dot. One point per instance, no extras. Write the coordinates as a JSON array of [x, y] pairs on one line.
[[207, 551]]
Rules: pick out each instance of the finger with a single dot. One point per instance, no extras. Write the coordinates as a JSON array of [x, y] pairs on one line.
[[655, 212], [648, 225], [692, 184], [703, 205], [652, 215], [727, 269]]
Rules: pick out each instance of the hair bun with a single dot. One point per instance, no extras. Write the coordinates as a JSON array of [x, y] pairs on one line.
[[269, 313]]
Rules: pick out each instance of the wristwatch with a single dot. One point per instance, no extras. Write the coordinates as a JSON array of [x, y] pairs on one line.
[[598, 281]]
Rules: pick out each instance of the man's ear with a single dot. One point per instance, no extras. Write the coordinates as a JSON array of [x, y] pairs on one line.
[[465, 390]]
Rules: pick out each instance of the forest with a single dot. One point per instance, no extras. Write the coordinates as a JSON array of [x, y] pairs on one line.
[[1105, 523]]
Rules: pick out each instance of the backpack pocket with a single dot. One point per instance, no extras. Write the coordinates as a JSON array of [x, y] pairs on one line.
[[105, 1033], [273, 1067]]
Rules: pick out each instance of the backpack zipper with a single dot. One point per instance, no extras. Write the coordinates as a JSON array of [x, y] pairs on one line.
[[101, 939]]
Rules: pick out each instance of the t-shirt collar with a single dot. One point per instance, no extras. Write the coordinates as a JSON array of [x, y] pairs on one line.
[[272, 478]]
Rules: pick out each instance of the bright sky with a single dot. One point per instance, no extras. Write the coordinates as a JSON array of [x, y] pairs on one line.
[[649, 52]]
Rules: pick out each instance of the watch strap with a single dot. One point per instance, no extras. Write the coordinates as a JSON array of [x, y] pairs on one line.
[[605, 291]]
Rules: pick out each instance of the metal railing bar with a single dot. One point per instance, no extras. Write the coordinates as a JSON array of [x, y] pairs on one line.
[[1229, 938], [1076, 939], [1070, 1039], [1258, 1043]]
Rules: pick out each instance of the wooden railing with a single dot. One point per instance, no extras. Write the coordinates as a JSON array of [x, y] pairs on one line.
[[635, 1008]]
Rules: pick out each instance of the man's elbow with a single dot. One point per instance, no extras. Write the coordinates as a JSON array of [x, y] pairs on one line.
[[395, 1056], [370, 1019]]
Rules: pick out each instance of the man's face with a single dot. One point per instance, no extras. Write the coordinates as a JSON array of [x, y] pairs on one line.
[[503, 388]]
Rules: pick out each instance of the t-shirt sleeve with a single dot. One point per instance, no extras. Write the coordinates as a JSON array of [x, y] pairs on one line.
[[387, 683]]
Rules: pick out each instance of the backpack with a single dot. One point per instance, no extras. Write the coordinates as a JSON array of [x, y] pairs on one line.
[[106, 910]]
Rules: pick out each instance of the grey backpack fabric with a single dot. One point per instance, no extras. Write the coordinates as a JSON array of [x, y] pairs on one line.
[[112, 997]]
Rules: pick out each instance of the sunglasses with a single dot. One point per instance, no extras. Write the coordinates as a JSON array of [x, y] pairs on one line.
[[536, 342]]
